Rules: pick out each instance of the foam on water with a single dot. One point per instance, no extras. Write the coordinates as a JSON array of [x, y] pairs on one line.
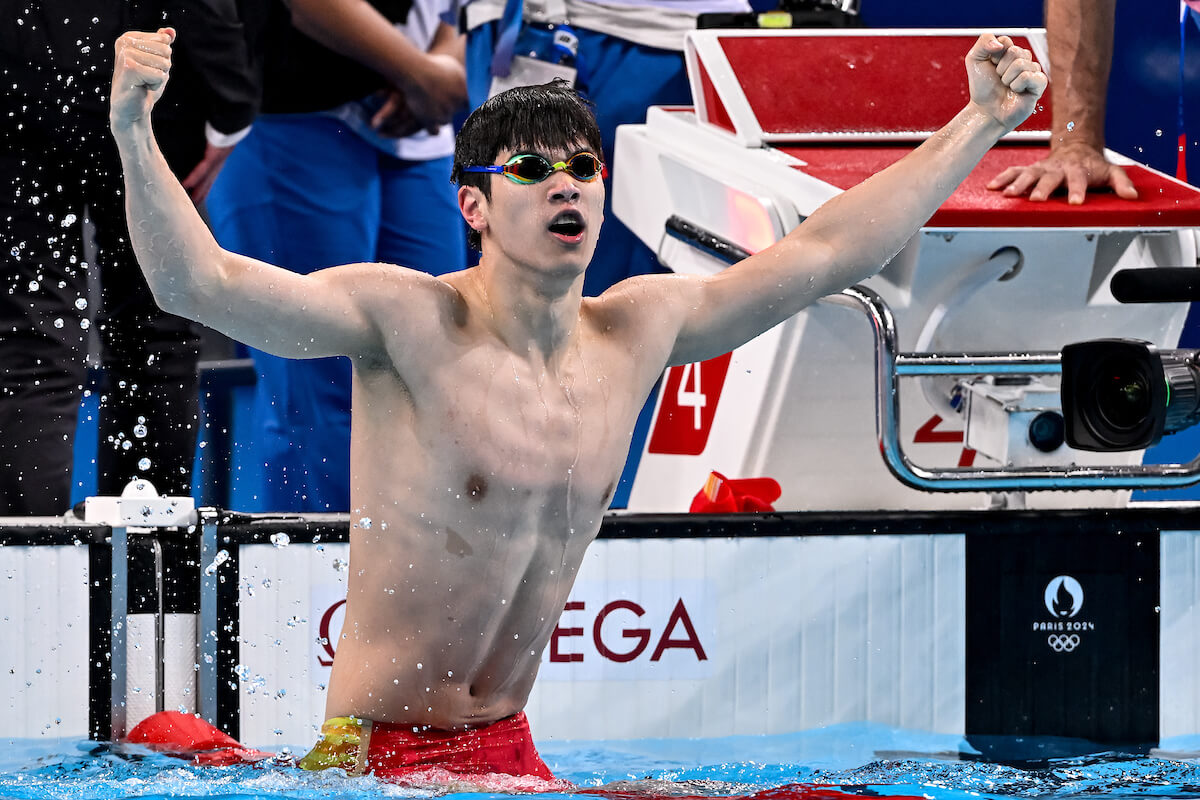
[[889, 761]]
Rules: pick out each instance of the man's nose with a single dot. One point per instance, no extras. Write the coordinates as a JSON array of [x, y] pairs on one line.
[[562, 186]]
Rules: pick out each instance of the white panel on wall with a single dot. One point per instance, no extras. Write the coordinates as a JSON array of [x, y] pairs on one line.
[[44, 641], [285, 592], [806, 632], [670, 637], [1179, 675], [180, 666]]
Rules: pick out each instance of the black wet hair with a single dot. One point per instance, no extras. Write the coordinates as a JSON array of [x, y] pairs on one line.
[[542, 118]]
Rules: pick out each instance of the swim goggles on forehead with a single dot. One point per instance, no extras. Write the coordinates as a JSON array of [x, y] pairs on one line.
[[532, 168]]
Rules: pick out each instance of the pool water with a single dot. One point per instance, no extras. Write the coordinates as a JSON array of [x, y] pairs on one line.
[[865, 760]]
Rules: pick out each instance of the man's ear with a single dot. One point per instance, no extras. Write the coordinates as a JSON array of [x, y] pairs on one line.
[[473, 206]]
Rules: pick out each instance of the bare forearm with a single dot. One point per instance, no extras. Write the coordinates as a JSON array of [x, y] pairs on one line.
[[175, 249], [449, 42], [865, 226], [1080, 36]]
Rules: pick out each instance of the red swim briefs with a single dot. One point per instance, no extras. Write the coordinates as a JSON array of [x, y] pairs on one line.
[[401, 753]]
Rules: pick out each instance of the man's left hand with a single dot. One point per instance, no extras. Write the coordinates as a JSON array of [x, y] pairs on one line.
[[1078, 165], [395, 118]]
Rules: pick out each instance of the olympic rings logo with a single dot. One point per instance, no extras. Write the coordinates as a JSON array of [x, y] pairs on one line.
[[1062, 643]]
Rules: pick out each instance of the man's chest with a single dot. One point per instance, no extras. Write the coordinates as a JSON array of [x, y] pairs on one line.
[[536, 428]]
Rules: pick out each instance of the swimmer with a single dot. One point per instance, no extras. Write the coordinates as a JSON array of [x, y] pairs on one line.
[[493, 407]]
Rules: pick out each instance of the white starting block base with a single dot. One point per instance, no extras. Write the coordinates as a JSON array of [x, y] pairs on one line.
[[988, 274]]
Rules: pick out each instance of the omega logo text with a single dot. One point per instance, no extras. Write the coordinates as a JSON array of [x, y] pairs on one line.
[[631, 642]]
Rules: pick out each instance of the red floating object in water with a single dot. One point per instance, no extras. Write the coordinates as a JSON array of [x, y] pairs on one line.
[[188, 736]]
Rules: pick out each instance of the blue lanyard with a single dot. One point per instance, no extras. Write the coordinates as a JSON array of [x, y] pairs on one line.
[[506, 42]]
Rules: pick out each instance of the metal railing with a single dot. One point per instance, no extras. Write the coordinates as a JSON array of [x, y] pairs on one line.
[[890, 365]]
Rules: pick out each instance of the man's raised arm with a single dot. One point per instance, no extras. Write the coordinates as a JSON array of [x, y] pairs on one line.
[[853, 235], [298, 316]]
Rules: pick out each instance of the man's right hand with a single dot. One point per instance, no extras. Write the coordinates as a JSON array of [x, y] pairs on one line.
[[436, 91], [140, 70], [1078, 165]]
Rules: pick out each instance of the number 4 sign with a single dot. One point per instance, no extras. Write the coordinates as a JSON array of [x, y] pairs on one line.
[[689, 403]]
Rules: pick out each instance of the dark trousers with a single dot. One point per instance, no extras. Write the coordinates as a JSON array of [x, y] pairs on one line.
[[57, 160]]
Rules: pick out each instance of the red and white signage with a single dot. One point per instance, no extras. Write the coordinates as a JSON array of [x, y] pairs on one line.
[[689, 402], [608, 631], [634, 630], [326, 615]]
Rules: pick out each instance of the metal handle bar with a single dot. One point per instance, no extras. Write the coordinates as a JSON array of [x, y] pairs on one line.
[[890, 364]]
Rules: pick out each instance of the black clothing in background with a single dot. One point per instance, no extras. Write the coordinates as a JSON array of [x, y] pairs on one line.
[[301, 75], [58, 161]]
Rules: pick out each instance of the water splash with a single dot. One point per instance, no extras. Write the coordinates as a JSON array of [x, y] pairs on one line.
[[221, 557], [852, 758]]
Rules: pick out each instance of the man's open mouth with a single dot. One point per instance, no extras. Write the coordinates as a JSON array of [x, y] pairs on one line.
[[568, 224]]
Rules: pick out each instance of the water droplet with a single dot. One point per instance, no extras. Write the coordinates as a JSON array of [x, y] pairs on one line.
[[139, 431], [1158, 132], [280, 539], [340, 565], [58, 323], [221, 557], [85, 324], [125, 445], [143, 464], [34, 286], [81, 304], [1070, 126], [365, 523]]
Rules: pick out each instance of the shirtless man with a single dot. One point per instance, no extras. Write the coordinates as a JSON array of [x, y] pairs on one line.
[[493, 407]]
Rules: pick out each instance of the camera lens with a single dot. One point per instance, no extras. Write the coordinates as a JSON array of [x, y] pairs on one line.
[[1047, 431], [1116, 393], [1122, 397]]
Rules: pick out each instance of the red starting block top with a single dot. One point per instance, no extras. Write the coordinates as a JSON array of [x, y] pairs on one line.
[[1162, 202], [806, 85], [849, 103]]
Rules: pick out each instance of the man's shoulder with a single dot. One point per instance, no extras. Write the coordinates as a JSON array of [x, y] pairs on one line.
[[628, 306], [398, 292], [383, 276]]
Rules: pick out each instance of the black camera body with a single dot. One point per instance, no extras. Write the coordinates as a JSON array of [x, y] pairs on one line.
[[1125, 394]]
